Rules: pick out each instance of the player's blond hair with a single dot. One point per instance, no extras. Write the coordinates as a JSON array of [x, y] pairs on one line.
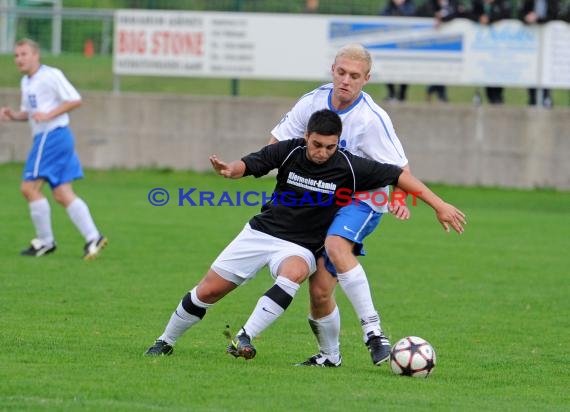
[[355, 51], [25, 41]]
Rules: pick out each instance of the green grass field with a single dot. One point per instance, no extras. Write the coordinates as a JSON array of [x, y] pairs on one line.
[[493, 302]]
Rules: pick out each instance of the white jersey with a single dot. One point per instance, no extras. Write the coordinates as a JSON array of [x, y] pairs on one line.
[[367, 130], [44, 91]]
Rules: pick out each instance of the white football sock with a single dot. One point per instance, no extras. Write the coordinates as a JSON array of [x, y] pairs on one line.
[[181, 320], [81, 217], [327, 333], [40, 212], [355, 285], [270, 306]]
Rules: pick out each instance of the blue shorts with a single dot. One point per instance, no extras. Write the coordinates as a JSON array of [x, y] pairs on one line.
[[353, 222], [53, 158]]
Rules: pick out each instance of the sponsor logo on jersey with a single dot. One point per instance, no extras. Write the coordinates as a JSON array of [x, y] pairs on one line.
[[311, 184]]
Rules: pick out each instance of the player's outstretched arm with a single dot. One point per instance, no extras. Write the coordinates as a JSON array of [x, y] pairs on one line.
[[233, 170], [447, 214], [399, 209], [7, 113]]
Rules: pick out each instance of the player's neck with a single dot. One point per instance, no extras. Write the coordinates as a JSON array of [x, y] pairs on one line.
[[339, 105], [33, 70]]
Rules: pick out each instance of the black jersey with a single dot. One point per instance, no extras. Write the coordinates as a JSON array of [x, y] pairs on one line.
[[305, 197]]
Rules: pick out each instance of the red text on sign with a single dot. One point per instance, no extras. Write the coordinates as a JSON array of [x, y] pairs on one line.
[[132, 42], [168, 43]]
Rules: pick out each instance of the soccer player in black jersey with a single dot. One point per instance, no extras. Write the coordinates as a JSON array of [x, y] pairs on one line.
[[314, 174]]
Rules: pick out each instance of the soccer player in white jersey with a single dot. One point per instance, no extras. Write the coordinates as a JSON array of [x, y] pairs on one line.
[[288, 235], [367, 132], [47, 98]]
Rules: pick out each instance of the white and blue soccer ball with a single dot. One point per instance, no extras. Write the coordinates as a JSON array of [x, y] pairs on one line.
[[412, 356]]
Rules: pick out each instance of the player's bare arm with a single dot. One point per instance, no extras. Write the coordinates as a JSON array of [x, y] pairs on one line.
[[272, 140], [6, 113], [233, 170], [447, 214], [399, 207], [65, 107]]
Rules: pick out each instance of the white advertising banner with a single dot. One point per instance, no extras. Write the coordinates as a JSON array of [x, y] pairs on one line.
[[503, 54], [460, 52], [302, 47], [243, 45], [404, 50], [556, 55]]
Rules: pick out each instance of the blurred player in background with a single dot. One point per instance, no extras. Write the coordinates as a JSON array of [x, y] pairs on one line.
[[287, 237], [367, 132], [47, 98]]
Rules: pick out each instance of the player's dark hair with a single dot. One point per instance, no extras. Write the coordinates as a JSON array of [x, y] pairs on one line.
[[325, 122]]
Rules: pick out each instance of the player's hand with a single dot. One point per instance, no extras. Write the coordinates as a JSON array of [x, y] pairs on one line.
[[40, 117], [399, 211], [5, 113], [448, 215], [220, 167]]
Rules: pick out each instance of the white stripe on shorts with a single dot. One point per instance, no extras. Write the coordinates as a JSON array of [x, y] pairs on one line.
[[370, 216], [39, 155]]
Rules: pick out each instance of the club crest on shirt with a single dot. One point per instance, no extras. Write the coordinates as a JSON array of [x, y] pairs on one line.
[[33, 101]]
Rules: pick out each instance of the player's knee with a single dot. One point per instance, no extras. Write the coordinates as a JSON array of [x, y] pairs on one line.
[[60, 198], [294, 268], [320, 298], [25, 190], [29, 191], [337, 247], [297, 277], [64, 195], [320, 294], [322, 304], [209, 294]]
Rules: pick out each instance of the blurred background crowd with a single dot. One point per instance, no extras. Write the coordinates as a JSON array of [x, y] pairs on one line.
[[92, 20]]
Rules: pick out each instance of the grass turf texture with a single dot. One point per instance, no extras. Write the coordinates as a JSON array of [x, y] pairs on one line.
[[493, 302]]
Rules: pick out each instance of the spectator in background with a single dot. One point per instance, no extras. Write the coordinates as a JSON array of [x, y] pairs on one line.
[[400, 8], [539, 12], [311, 6], [487, 12], [443, 11], [565, 12]]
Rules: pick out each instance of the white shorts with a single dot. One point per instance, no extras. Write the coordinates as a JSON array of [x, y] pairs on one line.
[[251, 250]]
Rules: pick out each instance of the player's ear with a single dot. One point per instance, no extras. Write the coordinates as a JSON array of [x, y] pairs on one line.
[[307, 136]]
